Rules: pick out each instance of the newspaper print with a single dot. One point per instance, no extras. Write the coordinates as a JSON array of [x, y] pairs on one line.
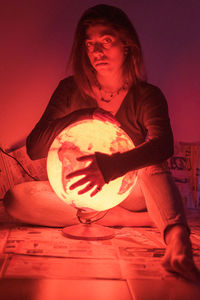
[[11, 173], [192, 156], [62, 268]]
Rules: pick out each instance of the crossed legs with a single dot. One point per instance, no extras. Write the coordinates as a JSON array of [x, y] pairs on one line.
[[36, 203]]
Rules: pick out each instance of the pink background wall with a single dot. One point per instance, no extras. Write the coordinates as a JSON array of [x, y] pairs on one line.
[[36, 39]]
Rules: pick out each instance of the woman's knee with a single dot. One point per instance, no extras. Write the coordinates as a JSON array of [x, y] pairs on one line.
[[152, 170], [36, 203], [10, 202], [16, 200]]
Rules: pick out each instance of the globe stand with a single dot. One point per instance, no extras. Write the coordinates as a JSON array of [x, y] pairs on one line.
[[88, 133], [87, 230]]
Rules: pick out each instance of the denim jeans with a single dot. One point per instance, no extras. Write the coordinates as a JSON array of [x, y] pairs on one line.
[[156, 192]]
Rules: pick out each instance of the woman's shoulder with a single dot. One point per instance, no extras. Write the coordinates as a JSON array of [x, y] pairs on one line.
[[64, 90], [67, 82], [144, 87], [145, 91]]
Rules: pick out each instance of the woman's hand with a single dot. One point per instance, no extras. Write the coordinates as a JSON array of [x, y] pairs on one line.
[[93, 176], [104, 115]]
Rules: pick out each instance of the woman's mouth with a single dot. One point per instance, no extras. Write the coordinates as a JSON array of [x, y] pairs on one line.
[[100, 63]]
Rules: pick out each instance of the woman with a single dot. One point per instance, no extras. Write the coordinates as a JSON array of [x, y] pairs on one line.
[[109, 74]]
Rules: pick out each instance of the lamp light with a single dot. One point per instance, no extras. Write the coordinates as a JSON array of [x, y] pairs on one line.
[[80, 138]]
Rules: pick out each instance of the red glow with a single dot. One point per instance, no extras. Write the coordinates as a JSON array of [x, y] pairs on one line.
[[84, 138]]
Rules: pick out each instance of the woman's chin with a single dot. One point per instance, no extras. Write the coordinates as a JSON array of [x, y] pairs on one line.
[[103, 69]]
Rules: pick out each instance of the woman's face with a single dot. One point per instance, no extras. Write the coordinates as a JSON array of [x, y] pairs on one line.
[[105, 49]]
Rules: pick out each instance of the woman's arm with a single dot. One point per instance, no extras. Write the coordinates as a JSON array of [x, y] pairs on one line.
[[59, 113], [153, 116], [52, 120]]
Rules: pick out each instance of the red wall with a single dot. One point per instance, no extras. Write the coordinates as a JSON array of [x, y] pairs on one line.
[[37, 37]]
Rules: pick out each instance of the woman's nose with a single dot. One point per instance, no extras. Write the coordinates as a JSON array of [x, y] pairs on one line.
[[98, 47]]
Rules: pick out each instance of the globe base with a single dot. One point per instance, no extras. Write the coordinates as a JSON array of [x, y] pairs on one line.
[[90, 232]]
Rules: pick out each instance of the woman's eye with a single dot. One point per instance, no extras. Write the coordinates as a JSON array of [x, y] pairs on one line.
[[107, 41]]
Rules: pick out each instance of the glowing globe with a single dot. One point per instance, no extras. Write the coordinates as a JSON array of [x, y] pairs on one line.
[[85, 137]]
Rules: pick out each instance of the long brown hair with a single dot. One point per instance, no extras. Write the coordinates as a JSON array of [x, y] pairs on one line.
[[84, 73]]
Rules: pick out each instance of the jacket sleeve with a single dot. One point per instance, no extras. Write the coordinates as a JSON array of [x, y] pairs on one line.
[[158, 146], [58, 115]]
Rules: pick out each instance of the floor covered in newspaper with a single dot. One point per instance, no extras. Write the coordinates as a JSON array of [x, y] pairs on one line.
[[40, 263]]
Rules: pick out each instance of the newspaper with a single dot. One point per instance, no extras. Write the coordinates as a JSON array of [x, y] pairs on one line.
[[132, 253], [44, 241], [139, 237], [62, 268], [40, 252], [11, 173], [4, 233], [146, 268], [178, 167], [191, 153], [41, 241]]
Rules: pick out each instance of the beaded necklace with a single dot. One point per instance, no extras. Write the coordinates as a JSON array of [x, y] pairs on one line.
[[107, 96]]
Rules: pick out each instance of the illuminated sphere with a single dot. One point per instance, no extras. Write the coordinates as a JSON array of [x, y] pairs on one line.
[[85, 137]]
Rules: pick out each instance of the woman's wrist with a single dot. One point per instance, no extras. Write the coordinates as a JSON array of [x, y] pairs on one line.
[[109, 165]]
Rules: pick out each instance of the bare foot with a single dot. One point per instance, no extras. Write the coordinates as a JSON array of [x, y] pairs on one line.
[[178, 256]]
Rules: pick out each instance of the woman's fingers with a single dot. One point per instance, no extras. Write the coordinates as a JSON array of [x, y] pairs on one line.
[[92, 176], [76, 173], [85, 157], [86, 189], [83, 171], [78, 183], [95, 191]]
